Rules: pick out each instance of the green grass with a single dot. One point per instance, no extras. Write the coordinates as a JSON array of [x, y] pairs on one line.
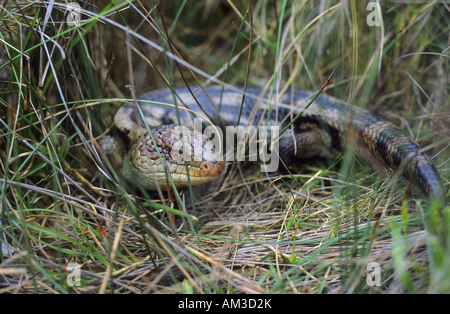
[[314, 231]]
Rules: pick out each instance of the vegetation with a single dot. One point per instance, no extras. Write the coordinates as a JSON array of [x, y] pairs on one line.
[[315, 229]]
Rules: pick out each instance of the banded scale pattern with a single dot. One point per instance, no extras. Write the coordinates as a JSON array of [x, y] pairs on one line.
[[323, 127]]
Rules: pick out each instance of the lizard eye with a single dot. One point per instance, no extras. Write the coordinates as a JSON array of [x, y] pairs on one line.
[[177, 154]]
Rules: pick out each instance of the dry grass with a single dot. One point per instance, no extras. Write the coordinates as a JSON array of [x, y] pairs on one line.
[[311, 231]]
